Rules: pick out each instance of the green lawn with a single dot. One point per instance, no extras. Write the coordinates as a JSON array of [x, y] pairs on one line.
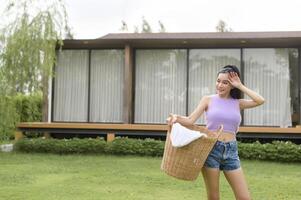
[[84, 177]]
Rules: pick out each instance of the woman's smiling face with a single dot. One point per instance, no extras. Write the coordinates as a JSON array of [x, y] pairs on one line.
[[223, 86]]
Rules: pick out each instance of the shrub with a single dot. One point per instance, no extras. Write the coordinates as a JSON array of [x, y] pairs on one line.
[[29, 107], [126, 146], [24, 108], [8, 118], [63, 146], [275, 151]]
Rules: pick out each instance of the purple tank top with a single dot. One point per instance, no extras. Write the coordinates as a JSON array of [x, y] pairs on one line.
[[225, 112]]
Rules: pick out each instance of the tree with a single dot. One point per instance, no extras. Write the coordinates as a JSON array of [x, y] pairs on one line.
[[136, 29], [222, 27], [145, 27], [29, 42], [124, 26], [162, 27]]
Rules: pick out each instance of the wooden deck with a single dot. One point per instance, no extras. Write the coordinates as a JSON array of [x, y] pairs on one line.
[[144, 129]]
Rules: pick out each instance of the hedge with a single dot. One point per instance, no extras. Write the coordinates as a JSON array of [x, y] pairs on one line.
[[120, 146], [8, 117], [29, 107], [275, 151], [24, 108]]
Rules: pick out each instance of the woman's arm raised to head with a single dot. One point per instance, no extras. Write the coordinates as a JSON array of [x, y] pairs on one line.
[[192, 118], [256, 99]]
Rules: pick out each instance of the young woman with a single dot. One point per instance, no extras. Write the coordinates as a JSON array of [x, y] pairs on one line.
[[223, 108]]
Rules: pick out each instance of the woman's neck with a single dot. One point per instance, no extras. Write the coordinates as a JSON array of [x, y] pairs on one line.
[[224, 96]]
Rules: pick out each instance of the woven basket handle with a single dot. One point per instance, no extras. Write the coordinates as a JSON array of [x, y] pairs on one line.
[[205, 130], [200, 129]]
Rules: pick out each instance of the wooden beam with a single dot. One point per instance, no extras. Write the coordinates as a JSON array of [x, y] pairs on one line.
[[268, 130], [144, 127], [128, 86], [53, 125]]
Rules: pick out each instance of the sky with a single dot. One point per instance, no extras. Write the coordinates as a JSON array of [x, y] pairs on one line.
[[91, 19]]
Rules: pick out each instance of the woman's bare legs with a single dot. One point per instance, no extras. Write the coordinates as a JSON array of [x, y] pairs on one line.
[[211, 179], [238, 184]]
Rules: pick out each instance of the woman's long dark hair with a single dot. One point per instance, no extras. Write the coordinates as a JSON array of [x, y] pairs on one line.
[[235, 93]]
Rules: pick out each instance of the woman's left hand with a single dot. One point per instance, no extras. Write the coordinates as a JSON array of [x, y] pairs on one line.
[[234, 79]]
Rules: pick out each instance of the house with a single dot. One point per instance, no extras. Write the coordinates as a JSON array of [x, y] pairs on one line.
[[139, 78]]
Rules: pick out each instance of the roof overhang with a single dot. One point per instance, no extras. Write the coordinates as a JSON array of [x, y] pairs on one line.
[[190, 40]]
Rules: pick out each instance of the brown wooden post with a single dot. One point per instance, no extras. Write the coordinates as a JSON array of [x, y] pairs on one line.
[[128, 86], [47, 135], [18, 135], [110, 137]]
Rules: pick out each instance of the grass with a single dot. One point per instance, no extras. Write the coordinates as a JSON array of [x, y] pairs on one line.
[[87, 177]]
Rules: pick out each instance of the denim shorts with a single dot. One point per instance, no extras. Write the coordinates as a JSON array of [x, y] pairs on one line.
[[223, 156]]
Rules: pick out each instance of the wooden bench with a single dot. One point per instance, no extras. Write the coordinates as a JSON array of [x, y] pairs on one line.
[[110, 130]]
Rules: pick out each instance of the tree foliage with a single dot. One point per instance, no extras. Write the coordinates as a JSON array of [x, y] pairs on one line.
[[144, 27], [222, 27], [28, 40], [162, 27], [124, 26]]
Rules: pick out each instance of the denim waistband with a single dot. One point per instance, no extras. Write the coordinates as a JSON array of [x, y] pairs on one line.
[[230, 143]]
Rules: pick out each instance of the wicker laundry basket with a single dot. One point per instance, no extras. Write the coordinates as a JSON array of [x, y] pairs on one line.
[[186, 162]]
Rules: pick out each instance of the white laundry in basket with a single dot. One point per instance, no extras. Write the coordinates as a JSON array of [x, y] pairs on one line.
[[181, 136]]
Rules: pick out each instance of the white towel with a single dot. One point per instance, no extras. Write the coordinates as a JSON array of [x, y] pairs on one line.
[[181, 136]]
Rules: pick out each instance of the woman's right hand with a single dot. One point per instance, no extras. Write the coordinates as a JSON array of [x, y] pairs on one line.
[[214, 134], [172, 118]]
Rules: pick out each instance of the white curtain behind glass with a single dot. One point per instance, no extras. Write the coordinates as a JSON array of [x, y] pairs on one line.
[[267, 72], [204, 64], [71, 86], [107, 69], [160, 84]]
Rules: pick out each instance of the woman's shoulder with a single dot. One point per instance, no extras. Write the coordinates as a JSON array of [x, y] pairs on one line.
[[207, 98], [210, 96]]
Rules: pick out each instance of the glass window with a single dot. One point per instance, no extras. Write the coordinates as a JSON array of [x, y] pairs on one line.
[[71, 86], [267, 72], [106, 92], [160, 84]]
